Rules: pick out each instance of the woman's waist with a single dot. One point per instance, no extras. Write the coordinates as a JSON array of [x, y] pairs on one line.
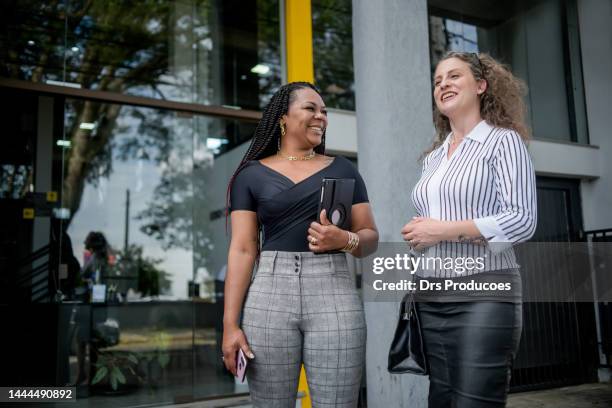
[[290, 239], [301, 262]]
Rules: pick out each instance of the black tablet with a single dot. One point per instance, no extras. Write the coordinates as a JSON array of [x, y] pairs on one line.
[[337, 200]]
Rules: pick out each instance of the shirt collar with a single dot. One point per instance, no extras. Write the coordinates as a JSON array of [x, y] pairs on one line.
[[479, 133]]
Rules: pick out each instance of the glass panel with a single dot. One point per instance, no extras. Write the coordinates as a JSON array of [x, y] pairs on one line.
[[538, 40], [200, 51], [128, 192], [333, 52], [143, 195], [214, 163]]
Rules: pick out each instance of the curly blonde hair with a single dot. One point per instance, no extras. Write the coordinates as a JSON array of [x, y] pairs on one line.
[[501, 105]]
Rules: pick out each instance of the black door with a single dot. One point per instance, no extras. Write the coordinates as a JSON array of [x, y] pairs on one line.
[[558, 344]]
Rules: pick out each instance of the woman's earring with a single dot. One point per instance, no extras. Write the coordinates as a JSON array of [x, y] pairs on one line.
[[283, 133]]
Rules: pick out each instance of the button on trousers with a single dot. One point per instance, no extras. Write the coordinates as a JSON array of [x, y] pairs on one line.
[[304, 308]]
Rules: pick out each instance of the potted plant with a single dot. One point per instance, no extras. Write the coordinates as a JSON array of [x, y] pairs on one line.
[[116, 371]]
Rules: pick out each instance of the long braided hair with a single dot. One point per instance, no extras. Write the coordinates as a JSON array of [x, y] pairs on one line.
[[267, 133]]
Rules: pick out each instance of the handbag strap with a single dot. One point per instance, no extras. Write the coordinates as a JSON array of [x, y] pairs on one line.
[[407, 303]]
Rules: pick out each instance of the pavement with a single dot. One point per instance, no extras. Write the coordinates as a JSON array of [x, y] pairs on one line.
[[578, 396], [597, 395]]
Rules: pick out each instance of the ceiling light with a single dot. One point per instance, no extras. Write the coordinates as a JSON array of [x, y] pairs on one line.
[[62, 83], [260, 69]]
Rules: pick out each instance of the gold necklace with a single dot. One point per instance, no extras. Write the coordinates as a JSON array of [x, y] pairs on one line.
[[308, 156]]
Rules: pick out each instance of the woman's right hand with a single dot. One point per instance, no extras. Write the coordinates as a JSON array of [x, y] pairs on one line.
[[233, 340]]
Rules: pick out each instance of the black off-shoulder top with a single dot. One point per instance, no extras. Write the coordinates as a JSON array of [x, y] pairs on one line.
[[285, 209]]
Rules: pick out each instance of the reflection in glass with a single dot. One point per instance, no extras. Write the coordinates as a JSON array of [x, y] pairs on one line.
[[450, 35], [146, 198], [333, 52], [18, 145], [14, 180], [199, 51]]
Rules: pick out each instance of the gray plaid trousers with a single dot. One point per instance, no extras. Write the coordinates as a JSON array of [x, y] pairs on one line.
[[304, 308]]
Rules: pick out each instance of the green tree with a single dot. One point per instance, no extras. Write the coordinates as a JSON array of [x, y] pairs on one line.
[[333, 51]]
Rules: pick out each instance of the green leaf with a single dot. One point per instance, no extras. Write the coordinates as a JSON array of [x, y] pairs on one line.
[[100, 374], [119, 375], [133, 359], [113, 380], [163, 359]]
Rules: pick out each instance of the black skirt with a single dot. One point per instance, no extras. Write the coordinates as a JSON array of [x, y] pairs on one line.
[[470, 348]]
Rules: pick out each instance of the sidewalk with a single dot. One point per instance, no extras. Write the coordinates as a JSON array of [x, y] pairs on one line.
[[597, 395], [579, 396]]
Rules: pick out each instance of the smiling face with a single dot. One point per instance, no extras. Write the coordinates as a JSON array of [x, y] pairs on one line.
[[306, 119], [456, 91]]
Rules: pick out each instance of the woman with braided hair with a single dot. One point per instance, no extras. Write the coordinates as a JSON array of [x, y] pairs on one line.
[[300, 304], [475, 199]]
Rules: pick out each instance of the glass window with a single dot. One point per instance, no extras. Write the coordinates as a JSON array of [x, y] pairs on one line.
[[333, 52], [120, 271], [140, 189], [538, 40], [200, 51]]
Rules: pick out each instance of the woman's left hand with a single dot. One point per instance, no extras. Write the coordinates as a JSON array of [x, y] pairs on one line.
[[423, 232], [326, 236]]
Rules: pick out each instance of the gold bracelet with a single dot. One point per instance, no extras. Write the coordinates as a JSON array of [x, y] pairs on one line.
[[348, 243], [352, 244], [355, 241]]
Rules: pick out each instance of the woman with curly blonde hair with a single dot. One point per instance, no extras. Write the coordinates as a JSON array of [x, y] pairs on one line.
[[475, 199]]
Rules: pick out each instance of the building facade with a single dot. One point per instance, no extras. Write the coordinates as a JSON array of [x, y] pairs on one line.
[[123, 122]]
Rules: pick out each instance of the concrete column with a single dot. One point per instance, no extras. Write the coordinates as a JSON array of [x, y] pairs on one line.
[[394, 126]]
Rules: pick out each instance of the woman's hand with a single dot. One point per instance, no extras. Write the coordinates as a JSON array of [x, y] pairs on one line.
[[423, 232], [233, 340], [326, 236]]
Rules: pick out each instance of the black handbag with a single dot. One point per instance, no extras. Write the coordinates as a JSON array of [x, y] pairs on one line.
[[407, 351]]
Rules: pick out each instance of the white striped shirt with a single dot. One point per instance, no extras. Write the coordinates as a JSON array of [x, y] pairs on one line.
[[489, 179]]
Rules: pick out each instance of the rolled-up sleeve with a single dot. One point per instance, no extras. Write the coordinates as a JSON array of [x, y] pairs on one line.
[[514, 178]]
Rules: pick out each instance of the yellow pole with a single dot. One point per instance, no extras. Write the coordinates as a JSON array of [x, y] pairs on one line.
[[298, 32], [303, 387]]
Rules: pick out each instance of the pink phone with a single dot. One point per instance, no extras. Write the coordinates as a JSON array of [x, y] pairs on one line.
[[241, 365]]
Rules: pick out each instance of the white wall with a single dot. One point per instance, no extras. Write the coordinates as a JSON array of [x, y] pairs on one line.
[[341, 135], [566, 160]]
